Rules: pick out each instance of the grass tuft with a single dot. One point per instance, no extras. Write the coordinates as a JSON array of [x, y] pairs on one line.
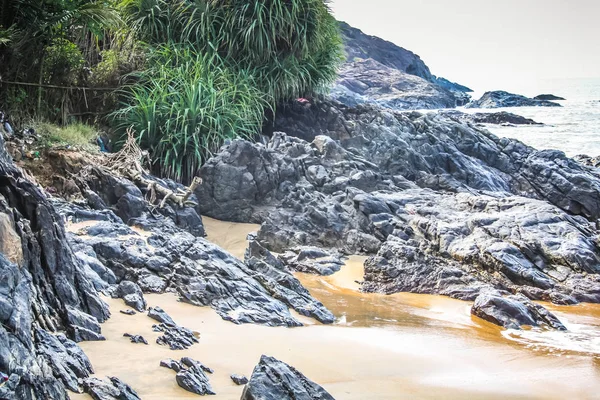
[[77, 135]]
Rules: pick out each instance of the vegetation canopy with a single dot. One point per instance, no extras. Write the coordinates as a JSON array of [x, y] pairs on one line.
[[189, 73]]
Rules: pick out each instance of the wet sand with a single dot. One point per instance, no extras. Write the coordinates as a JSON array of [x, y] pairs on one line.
[[383, 347]]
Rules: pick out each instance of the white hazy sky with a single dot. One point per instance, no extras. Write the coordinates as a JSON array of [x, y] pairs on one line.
[[487, 44]]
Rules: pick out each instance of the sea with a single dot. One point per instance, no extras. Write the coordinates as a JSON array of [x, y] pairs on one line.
[[573, 128]]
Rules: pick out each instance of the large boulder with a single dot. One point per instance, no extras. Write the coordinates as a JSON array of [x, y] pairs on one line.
[[275, 380], [513, 312]]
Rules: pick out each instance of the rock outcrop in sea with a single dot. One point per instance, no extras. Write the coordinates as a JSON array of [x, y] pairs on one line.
[[549, 97], [501, 99]]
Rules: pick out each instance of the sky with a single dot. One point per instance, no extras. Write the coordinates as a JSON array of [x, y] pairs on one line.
[[488, 44]]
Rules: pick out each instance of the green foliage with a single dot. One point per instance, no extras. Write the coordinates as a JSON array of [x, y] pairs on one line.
[[63, 63], [291, 47], [77, 135], [242, 58], [185, 105]]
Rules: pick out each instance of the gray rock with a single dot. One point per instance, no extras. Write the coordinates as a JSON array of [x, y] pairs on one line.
[[312, 260], [113, 389], [513, 312], [49, 291], [171, 364], [369, 81], [239, 379], [275, 380], [193, 379], [447, 207], [549, 97], [496, 118], [160, 315], [131, 293], [190, 363], [176, 337], [138, 339]]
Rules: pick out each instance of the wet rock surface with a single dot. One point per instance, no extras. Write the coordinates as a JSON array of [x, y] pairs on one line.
[[513, 312], [275, 380], [500, 99], [444, 207]]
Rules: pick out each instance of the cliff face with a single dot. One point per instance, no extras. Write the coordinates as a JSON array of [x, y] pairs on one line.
[[398, 79], [43, 290], [361, 45]]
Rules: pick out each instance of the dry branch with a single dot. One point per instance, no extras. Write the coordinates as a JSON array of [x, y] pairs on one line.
[[127, 162]]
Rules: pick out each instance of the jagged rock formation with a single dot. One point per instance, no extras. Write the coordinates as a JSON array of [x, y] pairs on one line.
[[173, 257], [113, 389], [501, 99], [43, 290], [588, 160], [448, 208], [191, 375], [379, 71], [275, 380], [359, 45], [239, 379], [365, 81]]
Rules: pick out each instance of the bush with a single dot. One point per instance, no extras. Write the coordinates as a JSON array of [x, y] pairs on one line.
[[291, 47], [242, 58], [185, 106]]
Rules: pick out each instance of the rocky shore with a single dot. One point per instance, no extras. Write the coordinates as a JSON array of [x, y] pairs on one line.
[[438, 204], [444, 207]]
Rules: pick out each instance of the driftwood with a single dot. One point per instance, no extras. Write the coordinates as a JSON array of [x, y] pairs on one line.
[[127, 162]]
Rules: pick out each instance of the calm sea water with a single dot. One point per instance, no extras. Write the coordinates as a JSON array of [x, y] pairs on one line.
[[574, 128]]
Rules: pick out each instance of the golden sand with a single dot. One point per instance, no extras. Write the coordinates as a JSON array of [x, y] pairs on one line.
[[383, 347]]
